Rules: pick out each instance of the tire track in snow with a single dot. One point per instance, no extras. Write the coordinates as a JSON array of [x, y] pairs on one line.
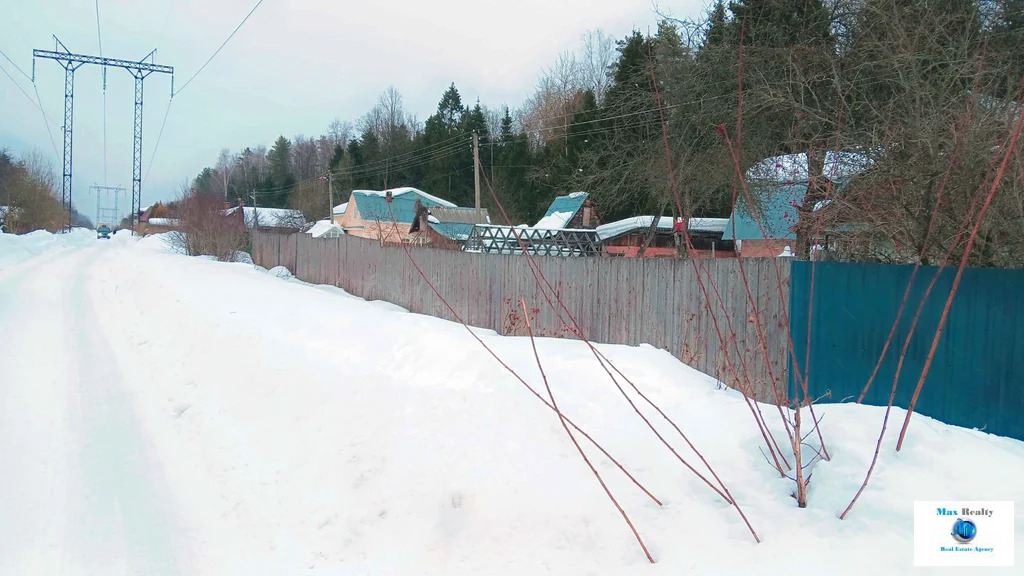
[[34, 422], [128, 523], [82, 490]]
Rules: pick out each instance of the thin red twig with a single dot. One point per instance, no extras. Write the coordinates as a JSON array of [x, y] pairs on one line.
[[959, 276], [513, 372], [561, 419]]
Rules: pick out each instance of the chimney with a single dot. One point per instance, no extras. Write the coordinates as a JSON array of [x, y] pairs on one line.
[[387, 196], [227, 205], [241, 204], [588, 213]]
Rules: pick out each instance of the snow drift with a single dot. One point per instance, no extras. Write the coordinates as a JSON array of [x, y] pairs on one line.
[[303, 430]]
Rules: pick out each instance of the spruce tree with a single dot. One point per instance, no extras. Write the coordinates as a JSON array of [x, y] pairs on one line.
[[279, 161]]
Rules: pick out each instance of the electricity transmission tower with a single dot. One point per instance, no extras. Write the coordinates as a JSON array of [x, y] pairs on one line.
[[71, 62], [104, 213]]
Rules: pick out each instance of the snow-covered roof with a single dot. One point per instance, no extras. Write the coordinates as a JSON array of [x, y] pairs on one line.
[[395, 192], [163, 222], [620, 227], [270, 217], [665, 224], [707, 224], [561, 211], [554, 220], [323, 227], [793, 167], [340, 209]]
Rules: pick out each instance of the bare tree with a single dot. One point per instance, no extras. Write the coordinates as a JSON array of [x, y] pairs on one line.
[[305, 158], [391, 124], [596, 60], [226, 163], [546, 115], [339, 133], [310, 198], [204, 229]]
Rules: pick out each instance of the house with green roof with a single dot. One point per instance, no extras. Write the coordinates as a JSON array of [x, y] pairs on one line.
[[393, 216], [764, 227], [572, 211]]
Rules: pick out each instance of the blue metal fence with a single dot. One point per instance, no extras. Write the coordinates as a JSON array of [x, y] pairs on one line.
[[977, 377]]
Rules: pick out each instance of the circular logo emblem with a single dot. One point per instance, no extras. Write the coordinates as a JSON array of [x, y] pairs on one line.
[[964, 530]]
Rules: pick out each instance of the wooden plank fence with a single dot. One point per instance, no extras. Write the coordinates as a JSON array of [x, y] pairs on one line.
[[615, 300]]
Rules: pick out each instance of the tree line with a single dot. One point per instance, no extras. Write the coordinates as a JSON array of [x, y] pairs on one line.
[[923, 93], [29, 196]]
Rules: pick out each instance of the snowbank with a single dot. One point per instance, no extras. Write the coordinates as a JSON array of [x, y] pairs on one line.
[[342, 436], [15, 249], [302, 430]]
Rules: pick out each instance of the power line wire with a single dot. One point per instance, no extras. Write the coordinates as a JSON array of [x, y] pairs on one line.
[[99, 36], [361, 171], [8, 58], [214, 55], [167, 18], [158, 136], [18, 86], [46, 121], [163, 123], [99, 40]]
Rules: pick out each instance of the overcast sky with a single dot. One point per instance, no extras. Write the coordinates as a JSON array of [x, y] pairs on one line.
[[295, 66]]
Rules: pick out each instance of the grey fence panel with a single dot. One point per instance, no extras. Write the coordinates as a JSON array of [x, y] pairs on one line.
[[614, 300]]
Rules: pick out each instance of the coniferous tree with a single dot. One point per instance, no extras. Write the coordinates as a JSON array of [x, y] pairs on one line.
[[280, 172]]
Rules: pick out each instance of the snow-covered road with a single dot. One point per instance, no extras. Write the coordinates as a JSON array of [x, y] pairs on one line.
[[171, 415], [81, 479]]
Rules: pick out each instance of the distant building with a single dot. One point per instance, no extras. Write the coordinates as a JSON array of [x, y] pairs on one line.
[[159, 225], [626, 238], [277, 220], [765, 229], [386, 215], [324, 229], [567, 229], [444, 227], [573, 211]]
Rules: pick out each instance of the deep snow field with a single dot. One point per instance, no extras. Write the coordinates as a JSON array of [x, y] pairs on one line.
[[173, 415]]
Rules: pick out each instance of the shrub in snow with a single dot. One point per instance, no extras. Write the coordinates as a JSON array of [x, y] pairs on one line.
[[204, 229], [280, 272]]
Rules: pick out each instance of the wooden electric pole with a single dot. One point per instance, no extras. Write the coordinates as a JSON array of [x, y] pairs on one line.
[[330, 196], [476, 173]]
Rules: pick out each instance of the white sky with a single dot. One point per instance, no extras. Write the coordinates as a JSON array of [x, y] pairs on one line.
[[295, 66]]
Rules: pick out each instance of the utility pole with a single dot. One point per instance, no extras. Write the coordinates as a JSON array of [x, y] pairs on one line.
[[330, 197], [476, 173], [104, 213], [255, 215]]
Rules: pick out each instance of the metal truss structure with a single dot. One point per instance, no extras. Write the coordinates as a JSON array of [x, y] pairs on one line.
[[139, 70]]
